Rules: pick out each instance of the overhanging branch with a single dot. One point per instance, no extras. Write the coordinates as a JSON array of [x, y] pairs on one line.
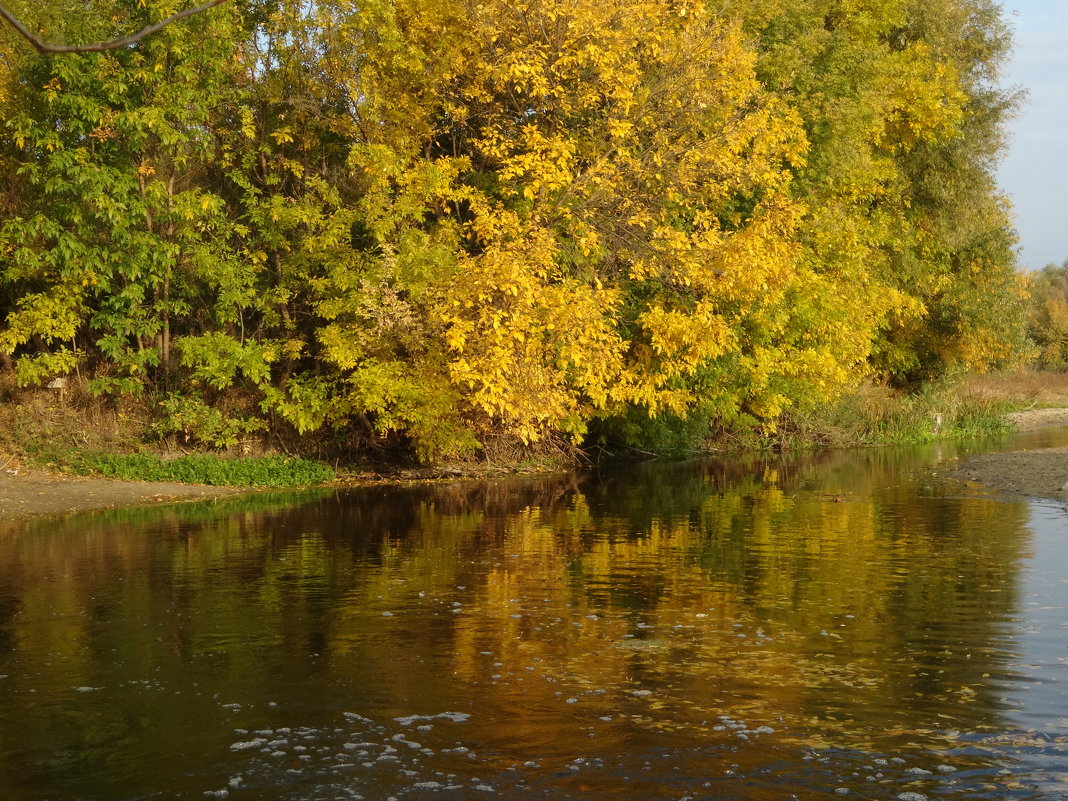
[[110, 44]]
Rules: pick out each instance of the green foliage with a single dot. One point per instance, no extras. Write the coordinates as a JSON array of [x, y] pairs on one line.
[[1048, 316], [455, 224], [199, 422], [114, 226], [267, 471], [906, 239], [672, 435]]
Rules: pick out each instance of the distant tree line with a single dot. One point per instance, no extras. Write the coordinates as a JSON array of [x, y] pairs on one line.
[[1048, 316]]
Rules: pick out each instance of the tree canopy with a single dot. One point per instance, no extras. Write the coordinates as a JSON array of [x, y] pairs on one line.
[[464, 223], [114, 43]]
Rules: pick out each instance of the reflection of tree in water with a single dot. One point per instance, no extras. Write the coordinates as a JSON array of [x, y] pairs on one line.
[[896, 606], [819, 597]]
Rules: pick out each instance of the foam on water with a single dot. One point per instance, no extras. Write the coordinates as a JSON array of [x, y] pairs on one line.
[[356, 759], [361, 758]]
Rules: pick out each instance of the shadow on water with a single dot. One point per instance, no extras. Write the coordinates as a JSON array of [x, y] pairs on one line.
[[840, 624]]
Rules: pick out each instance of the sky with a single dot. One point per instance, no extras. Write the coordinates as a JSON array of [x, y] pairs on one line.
[[1035, 171]]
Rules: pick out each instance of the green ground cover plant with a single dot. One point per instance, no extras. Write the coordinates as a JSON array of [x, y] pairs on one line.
[[202, 468]]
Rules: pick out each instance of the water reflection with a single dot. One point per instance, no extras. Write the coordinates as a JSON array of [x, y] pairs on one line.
[[826, 626]]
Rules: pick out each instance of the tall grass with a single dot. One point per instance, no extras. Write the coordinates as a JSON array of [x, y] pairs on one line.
[[867, 416], [873, 415], [1023, 388]]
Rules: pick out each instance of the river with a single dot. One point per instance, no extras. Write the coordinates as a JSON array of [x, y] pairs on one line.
[[838, 625]]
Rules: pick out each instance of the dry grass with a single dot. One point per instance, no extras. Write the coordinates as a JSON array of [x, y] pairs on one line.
[[42, 429], [37, 425], [1021, 388], [873, 414]]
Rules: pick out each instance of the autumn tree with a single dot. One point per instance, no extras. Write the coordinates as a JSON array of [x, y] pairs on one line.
[[123, 40], [452, 226], [114, 226], [906, 118], [1048, 315]]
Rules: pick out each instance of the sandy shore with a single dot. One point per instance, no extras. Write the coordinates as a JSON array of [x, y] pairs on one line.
[[25, 493], [1030, 419], [1039, 473]]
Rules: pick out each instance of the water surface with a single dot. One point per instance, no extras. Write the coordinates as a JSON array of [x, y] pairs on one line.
[[841, 625]]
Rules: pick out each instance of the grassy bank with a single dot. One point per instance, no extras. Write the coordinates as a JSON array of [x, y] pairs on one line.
[[878, 416], [974, 406], [79, 434], [871, 415], [208, 468]]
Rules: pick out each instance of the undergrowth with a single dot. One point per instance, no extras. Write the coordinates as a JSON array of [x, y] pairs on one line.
[[874, 415], [81, 434], [870, 415], [203, 468], [197, 468]]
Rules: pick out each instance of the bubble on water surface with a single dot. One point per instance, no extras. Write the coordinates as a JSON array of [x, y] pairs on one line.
[[356, 761], [455, 717], [244, 746]]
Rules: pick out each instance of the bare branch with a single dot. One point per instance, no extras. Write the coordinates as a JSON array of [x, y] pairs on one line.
[[110, 44]]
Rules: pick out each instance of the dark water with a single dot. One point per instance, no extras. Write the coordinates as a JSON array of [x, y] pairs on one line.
[[844, 625]]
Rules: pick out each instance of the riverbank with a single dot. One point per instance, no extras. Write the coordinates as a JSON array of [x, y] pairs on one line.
[[29, 493], [1033, 474], [1041, 473]]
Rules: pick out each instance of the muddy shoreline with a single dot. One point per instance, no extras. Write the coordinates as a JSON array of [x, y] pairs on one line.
[[1032, 474], [1041, 473]]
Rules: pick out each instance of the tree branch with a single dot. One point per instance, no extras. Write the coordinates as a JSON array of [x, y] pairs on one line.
[[110, 44]]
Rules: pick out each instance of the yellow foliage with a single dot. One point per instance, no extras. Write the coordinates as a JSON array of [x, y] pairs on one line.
[[645, 173], [452, 220], [532, 348]]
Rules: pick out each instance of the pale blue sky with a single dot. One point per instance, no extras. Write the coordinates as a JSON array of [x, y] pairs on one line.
[[1035, 170]]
